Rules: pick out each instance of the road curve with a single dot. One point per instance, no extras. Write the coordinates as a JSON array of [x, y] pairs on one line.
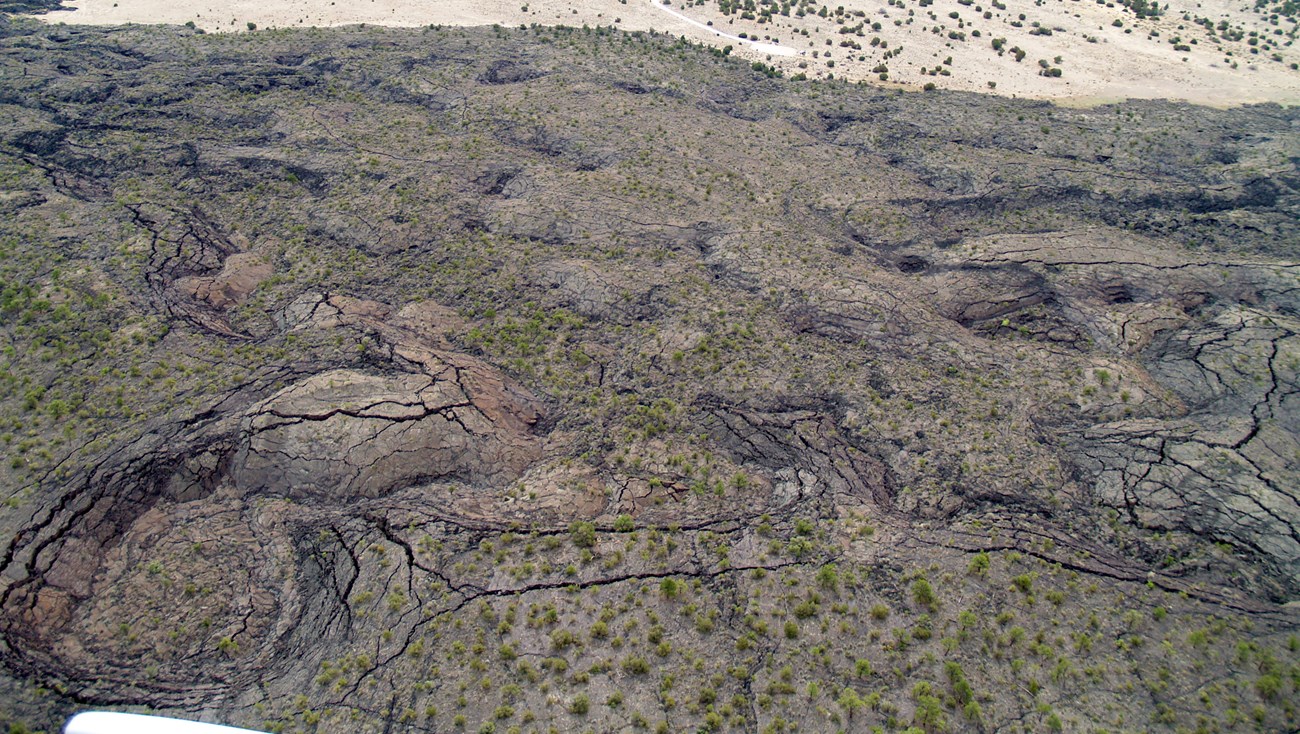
[[764, 48]]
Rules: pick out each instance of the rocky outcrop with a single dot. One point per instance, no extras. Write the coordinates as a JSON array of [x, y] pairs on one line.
[[221, 489], [805, 451], [1227, 469], [343, 434]]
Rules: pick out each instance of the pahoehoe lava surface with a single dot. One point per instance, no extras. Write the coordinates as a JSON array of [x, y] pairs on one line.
[[564, 379]]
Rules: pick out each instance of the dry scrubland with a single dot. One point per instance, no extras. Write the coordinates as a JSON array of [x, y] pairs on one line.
[[499, 380], [1216, 52]]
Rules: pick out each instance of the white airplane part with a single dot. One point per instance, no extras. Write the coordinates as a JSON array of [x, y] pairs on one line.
[[105, 722]]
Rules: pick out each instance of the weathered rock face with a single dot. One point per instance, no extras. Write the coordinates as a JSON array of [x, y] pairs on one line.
[[804, 450], [1220, 461], [1227, 470], [972, 296], [222, 502], [239, 277], [342, 434], [592, 294]]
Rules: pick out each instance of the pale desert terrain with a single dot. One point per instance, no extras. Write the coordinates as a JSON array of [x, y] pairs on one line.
[[1104, 51]]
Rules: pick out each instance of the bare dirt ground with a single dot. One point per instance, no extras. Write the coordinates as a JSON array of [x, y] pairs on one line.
[[1102, 49]]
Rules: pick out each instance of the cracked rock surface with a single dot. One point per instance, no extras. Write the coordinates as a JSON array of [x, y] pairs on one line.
[[344, 434]]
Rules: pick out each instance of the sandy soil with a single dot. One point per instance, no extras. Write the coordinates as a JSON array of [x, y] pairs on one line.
[[1099, 61]]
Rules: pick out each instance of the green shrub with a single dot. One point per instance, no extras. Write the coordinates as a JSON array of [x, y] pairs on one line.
[[670, 588], [583, 534], [828, 576], [929, 714], [923, 594], [1268, 687]]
